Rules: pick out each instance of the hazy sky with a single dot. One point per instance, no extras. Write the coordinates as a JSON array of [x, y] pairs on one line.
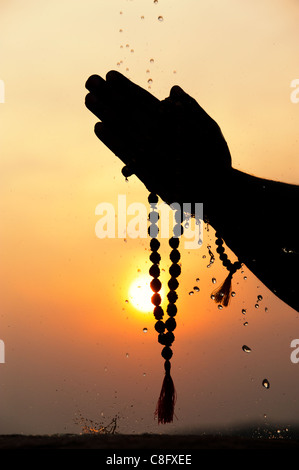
[[72, 342]]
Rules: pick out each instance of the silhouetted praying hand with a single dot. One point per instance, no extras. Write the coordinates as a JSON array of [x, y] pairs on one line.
[[178, 151]]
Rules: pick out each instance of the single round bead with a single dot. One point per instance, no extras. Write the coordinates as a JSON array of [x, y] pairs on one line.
[[166, 353], [153, 217], [156, 299], [219, 242], [175, 256], [154, 244], [158, 312], [153, 231], [152, 198], [172, 310], [179, 216], [172, 296], [170, 324], [126, 171], [173, 283], [156, 285], [178, 230], [174, 242], [160, 326], [175, 270], [238, 265], [155, 257], [154, 270], [220, 250]]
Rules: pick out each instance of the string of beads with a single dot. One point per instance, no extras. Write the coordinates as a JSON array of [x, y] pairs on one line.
[[165, 406]]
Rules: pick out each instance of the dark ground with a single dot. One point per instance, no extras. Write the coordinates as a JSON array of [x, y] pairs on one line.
[[143, 442]]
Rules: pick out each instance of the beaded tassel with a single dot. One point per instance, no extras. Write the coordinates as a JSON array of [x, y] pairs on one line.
[[223, 293], [166, 403]]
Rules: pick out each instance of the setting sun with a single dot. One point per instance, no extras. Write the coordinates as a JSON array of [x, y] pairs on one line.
[[140, 294]]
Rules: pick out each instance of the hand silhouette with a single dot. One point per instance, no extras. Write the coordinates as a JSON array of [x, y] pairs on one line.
[[171, 145]]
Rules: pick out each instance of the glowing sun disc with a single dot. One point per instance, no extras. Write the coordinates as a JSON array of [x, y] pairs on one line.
[[140, 294]]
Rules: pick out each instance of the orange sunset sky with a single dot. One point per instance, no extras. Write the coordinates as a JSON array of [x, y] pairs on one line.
[[74, 342]]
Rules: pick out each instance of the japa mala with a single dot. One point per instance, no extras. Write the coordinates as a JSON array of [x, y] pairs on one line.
[[166, 403], [223, 293], [167, 399]]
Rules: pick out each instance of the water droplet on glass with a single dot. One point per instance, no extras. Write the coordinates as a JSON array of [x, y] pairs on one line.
[[126, 301], [120, 30], [142, 17], [152, 61], [160, 18], [233, 294], [245, 323], [191, 292], [220, 307], [132, 50], [197, 279], [266, 383], [245, 277], [214, 280], [150, 81], [246, 349], [127, 354], [213, 297], [144, 330], [259, 298], [196, 288], [127, 45], [256, 305], [155, 1], [144, 374], [244, 311], [266, 309], [120, 12]]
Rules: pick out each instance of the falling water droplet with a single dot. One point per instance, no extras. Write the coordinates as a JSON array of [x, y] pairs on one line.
[[160, 18], [214, 280], [246, 349], [266, 383], [144, 330]]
